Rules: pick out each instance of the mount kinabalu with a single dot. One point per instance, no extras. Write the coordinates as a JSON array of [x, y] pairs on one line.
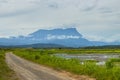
[[68, 37]]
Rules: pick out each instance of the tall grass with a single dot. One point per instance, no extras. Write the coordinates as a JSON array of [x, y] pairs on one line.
[[72, 65]]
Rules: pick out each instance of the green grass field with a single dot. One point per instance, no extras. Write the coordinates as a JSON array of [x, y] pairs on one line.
[[83, 51], [5, 72], [44, 57]]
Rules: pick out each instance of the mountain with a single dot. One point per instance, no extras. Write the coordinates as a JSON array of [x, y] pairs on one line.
[[55, 32], [69, 37]]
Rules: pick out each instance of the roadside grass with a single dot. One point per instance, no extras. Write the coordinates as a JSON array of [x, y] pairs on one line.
[[5, 72], [44, 57]]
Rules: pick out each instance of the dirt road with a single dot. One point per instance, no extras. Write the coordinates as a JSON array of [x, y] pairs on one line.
[[27, 70]]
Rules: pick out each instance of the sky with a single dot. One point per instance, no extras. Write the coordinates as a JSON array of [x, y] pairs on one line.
[[96, 20]]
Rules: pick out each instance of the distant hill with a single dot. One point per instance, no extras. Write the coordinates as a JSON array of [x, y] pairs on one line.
[[102, 47], [69, 37], [39, 45]]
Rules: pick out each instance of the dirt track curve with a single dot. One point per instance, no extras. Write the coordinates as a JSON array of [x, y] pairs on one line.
[[27, 70]]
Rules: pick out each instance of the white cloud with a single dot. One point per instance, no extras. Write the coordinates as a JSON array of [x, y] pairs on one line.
[[92, 17], [111, 38], [51, 37]]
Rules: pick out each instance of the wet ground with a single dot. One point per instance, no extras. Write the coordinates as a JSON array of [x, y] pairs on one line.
[[99, 58]]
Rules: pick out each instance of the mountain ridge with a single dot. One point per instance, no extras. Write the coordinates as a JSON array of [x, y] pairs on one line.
[[69, 37]]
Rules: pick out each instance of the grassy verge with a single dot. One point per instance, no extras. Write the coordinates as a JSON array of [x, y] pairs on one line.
[[72, 65], [5, 72]]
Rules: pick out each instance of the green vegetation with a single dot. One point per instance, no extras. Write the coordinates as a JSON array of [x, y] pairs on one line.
[[113, 62], [83, 51], [5, 72], [44, 57]]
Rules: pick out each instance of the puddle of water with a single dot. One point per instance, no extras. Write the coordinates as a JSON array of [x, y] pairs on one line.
[[100, 58]]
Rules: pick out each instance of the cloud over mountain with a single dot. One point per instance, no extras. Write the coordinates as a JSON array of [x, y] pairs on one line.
[[50, 37]]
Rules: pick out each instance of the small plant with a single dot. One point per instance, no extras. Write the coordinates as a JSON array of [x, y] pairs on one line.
[[36, 57], [109, 64]]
